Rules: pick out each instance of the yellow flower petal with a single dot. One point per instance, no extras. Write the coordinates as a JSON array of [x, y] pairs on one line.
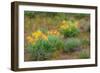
[[30, 39]]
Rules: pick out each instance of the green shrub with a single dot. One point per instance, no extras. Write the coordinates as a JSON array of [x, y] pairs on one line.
[[83, 55], [71, 32], [71, 43], [43, 49], [85, 42], [55, 42]]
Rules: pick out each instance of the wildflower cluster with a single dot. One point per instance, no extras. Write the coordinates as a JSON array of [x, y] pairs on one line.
[[35, 36], [69, 29]]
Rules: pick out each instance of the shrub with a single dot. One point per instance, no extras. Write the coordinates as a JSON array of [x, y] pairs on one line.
[[85, 42], [43, 49], [70, 32], [71, 43], [83, 55], [55, 42], [69, 29]]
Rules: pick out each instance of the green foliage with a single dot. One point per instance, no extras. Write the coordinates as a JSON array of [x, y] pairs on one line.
[[43, 49], [29, 14], [70, 44], [71, 29], [55, 41], [84, 55], [70, 32], [85, 42]]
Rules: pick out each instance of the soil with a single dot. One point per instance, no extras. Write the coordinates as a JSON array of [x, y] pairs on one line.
[[60, 55]]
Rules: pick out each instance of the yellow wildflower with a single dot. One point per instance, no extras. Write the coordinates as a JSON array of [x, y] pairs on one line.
[[37, 34], [53, 32], [56, 32], [49, 32], [64, 25], [44, 37], [64, 22], [30, 39]]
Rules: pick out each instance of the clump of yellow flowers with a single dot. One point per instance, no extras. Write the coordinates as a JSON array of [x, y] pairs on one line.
[[29, 39], [64, 25], [69, 28], [35, 36], [40, 35], [53, 32]]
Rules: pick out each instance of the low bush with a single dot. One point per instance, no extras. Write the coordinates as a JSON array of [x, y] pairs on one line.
[[70, 32], [43, 49], [84, 55], [71, 43], [85, 41], [55, 42], [69, 29]]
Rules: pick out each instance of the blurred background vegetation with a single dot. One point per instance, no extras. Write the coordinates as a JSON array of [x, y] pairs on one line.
[[73, 39]]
